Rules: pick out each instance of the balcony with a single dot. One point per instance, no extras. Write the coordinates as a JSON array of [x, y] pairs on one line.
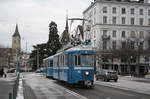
[[106, 37]]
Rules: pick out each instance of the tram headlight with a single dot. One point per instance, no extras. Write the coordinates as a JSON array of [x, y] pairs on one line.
[[87, 73]]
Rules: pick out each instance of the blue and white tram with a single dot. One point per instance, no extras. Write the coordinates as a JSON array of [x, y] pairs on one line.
[[48, 66], [74, 66]]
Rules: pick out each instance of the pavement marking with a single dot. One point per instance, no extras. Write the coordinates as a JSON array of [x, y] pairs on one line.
[[76, 94], [124, 93]]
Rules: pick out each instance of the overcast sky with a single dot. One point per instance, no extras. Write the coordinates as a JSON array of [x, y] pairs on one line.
[[33, 18]]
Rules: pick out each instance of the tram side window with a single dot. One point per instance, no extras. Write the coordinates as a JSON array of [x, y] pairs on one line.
[[70, 60], [76, 60], [79, 60], [51, 63], [65, 60], [60, 60], [87, 60], [55, 62]]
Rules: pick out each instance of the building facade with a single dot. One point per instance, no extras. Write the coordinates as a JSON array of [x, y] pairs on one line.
[[111, 24], [5, 57]]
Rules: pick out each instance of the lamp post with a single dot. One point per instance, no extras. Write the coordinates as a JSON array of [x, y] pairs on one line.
[[37, 58], [139, 46], [17, 63]]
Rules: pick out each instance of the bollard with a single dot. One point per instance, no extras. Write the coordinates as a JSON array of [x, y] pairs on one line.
[[14, 91], [15, 87], [10, 95]]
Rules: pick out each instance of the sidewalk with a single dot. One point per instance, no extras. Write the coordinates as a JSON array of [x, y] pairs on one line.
[[6, 86], [146, 78], [141, 85]]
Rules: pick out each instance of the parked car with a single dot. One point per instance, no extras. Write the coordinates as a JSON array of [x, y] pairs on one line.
[[38, 71], [12, 70], [106, 75]]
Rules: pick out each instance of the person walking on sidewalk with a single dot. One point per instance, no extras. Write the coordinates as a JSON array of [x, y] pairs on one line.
[[4, 74], [1, 72]]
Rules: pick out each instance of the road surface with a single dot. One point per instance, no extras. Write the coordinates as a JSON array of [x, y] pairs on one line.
[[39, 87]]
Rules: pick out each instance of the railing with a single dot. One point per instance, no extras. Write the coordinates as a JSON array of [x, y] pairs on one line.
[[15, 88]]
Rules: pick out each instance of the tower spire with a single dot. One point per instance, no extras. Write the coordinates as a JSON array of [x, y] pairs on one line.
[[16, 33]]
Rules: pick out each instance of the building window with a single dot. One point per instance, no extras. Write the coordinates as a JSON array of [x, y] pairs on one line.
[[149, 44], [123, 11], [105, 19], [114, 45], [104, 45], [132, 11], [141, 45], [132, 44], [104, 32], [94, 34], [149, 12], [104, 9], [132, 21], [114, 33], [132, 34], [141, 34], [123, 20], [114, 10], [148, 21], [141, 11], [94, 20], [123, 45], [94, 11], [141, 21], [114, 20], [123, 34]]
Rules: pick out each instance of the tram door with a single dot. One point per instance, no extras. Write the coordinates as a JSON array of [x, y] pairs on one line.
[[70, 66]]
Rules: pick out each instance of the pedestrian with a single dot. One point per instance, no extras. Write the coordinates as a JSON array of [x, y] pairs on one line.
[[5, 75], [1, 74]]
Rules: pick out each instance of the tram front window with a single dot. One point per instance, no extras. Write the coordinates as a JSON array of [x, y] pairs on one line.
[[87, 60]]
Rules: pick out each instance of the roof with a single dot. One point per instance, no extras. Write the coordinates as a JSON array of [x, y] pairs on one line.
[[16, 33], [116, 2]]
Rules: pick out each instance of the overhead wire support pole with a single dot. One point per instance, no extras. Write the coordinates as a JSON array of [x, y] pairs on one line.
[[37, 58], [26, 58], [80, 19]]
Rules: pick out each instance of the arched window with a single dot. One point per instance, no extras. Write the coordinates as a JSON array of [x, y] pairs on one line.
[[132, 34]]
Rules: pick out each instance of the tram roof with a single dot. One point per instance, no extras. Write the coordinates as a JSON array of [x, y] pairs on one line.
[[48, 57], [77, 48], [80, 48]]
